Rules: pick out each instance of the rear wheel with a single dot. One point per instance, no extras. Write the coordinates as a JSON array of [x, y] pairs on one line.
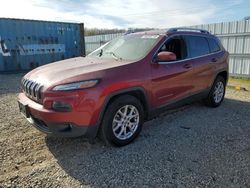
[[122, 121], [217, 92]]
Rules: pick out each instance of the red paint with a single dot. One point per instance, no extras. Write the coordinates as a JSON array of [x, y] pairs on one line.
[[166, 56], [162, 83]]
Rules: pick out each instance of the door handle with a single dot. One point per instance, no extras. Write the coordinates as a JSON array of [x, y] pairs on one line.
[[187, 66], [214, 60]]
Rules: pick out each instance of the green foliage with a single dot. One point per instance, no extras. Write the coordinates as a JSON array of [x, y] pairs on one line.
[[95, 31], [247, 79]]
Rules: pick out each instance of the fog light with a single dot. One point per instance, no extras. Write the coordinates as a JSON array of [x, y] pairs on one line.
[[61, 106]]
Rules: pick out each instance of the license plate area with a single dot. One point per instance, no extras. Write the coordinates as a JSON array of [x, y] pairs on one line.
[[24, 109]]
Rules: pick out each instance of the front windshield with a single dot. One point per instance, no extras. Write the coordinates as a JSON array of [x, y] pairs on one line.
[[127, 47]]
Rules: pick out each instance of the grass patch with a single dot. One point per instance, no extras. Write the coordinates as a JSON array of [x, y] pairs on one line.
[[245, 80]]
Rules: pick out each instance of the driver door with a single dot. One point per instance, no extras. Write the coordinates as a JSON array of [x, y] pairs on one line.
[[172, 80]]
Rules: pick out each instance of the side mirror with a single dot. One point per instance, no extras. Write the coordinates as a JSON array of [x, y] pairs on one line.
[[166, 56]]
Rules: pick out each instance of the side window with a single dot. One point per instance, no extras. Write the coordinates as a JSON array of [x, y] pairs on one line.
[[197, 46], [176, 45], [214, 46]]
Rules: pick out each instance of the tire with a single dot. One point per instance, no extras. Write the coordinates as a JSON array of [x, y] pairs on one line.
[[217, 92], [120, 129]]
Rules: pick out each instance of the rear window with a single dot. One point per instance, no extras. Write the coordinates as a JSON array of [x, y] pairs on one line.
[[197, 46], [213, 44]]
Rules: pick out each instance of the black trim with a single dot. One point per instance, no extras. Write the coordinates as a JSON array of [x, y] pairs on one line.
[[60, 106], [119, 92], [63, 129], [219, 72], [175, 29], [178, 103]]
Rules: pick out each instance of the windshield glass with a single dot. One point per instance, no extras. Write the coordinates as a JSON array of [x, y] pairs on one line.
[[127, 47]]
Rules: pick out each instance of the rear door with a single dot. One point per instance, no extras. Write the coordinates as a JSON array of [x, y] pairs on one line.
[[203, 62], [172, 81]]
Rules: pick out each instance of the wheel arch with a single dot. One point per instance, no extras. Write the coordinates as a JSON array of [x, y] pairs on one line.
[[137, 92], [223, 74]]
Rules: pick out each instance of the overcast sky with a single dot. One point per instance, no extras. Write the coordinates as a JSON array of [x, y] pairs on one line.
[[128, 13]]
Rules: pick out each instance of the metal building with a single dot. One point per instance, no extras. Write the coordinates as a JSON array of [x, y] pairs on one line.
[[26, 44]]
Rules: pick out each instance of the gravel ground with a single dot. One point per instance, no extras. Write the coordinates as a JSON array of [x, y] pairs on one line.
[[193, 146]]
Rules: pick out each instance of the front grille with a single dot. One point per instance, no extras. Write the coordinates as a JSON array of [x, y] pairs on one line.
[[31, 89]]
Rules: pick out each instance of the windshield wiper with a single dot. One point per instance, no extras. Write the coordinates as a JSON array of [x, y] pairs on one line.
[[101, 52], [114, 55]]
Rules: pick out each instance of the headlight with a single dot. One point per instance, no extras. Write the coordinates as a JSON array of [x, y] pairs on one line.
[[76, 85]]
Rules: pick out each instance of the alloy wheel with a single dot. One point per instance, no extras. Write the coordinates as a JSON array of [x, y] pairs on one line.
[[125, 122], [218, 92]]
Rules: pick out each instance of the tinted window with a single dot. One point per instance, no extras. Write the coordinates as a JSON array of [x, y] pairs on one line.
[[177, 46], [197, 46], [214, 46]]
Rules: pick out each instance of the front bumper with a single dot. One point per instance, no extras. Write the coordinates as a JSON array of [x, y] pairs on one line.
[[63, 124], [63, 129]]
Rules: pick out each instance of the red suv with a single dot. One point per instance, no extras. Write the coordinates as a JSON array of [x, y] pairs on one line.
[[113, 90]]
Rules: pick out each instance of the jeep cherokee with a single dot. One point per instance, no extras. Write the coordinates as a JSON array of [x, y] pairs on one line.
[[125, 82]]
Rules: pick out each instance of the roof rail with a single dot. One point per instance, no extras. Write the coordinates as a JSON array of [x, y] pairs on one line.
[[187, 29]]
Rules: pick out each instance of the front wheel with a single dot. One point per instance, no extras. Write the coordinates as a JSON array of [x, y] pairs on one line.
[[122, 121], [217, 92]]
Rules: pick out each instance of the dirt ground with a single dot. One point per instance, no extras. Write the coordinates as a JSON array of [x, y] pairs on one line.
[[194, 146], [245, 83]]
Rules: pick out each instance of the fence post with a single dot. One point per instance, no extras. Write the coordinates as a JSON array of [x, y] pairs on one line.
[[82, 40]]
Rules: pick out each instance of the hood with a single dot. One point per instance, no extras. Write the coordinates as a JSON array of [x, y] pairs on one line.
[[62, 71]]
